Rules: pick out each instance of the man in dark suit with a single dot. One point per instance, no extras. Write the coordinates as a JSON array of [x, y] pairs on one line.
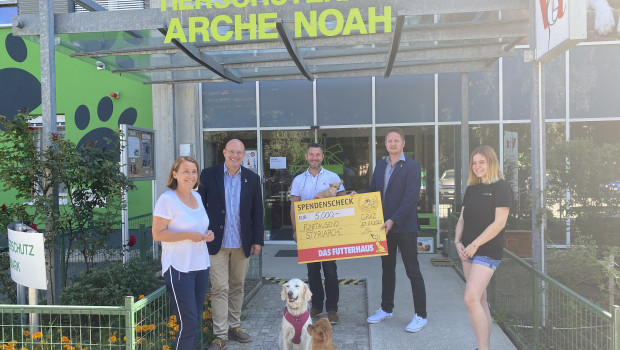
[[398, 179], [232, 197]]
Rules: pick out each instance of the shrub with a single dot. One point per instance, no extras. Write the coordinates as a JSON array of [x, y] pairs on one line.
[[92, 181], [110, 285], [584, 268]]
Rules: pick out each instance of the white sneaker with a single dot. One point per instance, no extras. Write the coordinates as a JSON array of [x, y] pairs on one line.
[[416, 324], [379, 316]]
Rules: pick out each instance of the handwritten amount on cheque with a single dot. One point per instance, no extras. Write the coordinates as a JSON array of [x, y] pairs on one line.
[[327, 214], [331, 228]]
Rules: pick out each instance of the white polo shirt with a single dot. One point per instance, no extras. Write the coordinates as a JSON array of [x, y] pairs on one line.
[[306, 185]]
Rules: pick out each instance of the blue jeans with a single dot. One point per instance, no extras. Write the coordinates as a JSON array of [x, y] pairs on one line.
[[315, 282], [187, 295]]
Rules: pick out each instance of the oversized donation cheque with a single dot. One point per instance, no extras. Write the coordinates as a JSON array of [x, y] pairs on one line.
[[342, 227]]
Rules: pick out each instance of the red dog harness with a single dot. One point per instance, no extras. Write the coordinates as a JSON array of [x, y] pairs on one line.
[[297, 322]]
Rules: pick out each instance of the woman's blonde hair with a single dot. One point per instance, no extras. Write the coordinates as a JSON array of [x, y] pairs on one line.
[[494, 173], [172, 182]]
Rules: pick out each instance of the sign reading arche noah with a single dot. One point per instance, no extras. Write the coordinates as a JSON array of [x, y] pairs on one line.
[[27, 256], [260, 26]]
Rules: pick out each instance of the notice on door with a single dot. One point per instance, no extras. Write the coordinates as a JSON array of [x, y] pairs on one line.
[[343, 227]]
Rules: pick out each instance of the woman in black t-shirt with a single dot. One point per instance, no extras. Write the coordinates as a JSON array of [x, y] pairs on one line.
[[479, 235]]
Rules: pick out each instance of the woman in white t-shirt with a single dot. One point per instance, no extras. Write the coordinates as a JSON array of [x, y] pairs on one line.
[[181, 224]]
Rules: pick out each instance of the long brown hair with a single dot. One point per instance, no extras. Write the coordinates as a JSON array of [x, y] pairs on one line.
[[494, 173], [172, 182]]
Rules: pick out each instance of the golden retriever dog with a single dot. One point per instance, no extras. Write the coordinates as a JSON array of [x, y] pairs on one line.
[[294, 331], [322, 338], [330, 192]]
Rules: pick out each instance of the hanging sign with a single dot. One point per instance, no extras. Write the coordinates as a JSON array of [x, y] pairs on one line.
[[560, 25]]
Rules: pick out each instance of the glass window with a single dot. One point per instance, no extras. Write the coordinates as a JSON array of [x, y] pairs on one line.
[[449, 87], [419, 145], [594, 180], [449, 187], [290, 145], [484, 95], [286, 103], [347, 153], [517, 87], [594, 74], [517, 170], [6, 15], [555, 88], [229, 105], [483, 134], [405, 99], [344, 101], [601, 132], [215, 142], [555, 139]]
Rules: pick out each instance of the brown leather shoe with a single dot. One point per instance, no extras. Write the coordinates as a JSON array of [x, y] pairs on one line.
[[332, 316], [218, 344], [239, 335], [315, 312]]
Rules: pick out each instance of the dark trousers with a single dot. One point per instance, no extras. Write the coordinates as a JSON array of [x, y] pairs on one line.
[[408, 245], [332, 293], [187, 295]]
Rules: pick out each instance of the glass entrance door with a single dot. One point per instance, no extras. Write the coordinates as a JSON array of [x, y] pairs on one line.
[[283, 159], [347, 153]]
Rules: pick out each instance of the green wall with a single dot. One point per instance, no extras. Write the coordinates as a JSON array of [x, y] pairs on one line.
[[79, 87]]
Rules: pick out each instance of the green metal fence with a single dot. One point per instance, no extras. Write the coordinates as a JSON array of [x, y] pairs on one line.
[[538, 312], [146, 324]]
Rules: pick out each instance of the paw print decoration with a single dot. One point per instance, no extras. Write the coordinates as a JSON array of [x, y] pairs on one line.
[[19, 88], [101, 137]]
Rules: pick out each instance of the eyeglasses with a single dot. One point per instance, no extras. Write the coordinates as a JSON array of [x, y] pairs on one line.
[[235, 153]]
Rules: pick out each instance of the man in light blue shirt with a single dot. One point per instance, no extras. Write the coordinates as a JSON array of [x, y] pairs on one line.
[[232, 187], [305, 187]]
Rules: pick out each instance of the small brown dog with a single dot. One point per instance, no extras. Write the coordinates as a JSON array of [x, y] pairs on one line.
[[322, 338], [330, 192]]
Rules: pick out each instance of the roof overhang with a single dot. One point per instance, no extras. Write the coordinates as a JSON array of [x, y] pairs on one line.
[[414, 37]]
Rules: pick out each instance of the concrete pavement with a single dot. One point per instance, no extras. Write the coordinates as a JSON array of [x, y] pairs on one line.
[[448, 324]]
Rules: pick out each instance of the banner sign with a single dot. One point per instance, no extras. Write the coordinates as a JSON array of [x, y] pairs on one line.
[[342, 227], [27, 256], [219, 27]]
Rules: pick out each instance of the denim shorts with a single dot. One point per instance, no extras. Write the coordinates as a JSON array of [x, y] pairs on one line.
[[484, 261]]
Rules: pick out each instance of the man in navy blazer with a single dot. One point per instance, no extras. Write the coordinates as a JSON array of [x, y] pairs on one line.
[[232, 197], [398, 179]]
